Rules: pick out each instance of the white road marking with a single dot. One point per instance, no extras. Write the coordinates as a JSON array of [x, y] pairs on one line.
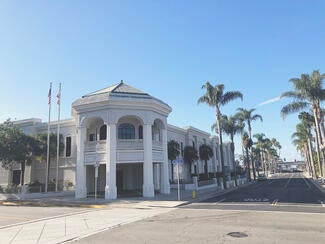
[[221, 200], [275, 202], [322, 203], [286, 185], [307, 183]]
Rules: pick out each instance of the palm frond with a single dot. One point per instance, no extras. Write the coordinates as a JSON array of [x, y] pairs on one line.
[[229, 96], [293, 108]]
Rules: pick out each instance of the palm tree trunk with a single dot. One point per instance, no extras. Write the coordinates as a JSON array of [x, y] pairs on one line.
[[253, 165], [206, 168], [221, 148], [318, 139], [305, 152], [172, 170], [311, 158], [317, 151], [248, 165], [22, 174], [232, 145]]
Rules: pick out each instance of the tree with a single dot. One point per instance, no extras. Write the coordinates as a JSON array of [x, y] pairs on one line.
[[308, 93], [42, 148], [308, 119], [302, 139], [248, 117], [205, 153], [247, 144], [16, 147], [231, 126], [215, 96], [261, 146], [190, 156], [173, 153]]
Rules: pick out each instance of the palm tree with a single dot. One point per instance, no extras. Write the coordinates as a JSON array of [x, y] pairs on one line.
[[302, 138], [173, 153], [308, 93], [205, 153], [248, 117], [190, 156], [261, 145], [308, 119], [231, 126], [215, 96], [247, 144]]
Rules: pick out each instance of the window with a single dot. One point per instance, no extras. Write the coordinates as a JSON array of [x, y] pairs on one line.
[[92, 137], [68, 146], [140, 132], [103, 132], [126, 131]]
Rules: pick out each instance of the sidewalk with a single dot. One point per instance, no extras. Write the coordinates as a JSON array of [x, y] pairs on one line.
[[111, 214]]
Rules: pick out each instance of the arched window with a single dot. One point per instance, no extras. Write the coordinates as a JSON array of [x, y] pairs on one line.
[[126, 131], [103, 132], [140, 132]]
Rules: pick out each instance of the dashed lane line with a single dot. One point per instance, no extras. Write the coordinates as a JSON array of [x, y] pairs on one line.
[[275, 202]]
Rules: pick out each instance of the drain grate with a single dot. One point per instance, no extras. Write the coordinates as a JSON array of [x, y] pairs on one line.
[[237, 234]]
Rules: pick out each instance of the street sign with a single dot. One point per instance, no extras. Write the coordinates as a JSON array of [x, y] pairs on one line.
[[178, 161]]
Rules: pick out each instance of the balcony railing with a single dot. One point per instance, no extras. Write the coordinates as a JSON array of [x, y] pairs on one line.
[[122, 144], [95, 146], [130, 144]]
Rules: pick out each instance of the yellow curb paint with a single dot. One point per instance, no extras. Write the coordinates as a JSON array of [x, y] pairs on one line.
[[10, 204]]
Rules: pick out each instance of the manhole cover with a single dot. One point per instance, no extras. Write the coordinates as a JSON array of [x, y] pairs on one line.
[[237, 234]]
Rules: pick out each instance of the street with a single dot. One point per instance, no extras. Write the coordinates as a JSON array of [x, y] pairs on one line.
[[285, 209]]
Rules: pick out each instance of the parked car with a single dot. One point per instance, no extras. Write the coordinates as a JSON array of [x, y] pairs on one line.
[[262, 177]]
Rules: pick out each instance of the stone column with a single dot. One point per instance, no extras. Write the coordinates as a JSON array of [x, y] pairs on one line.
[[110, 188], [148, 188], [156, 176], [165, 186], [81, 188]]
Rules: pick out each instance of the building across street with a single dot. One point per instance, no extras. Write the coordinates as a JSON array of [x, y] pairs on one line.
[[117, 140]]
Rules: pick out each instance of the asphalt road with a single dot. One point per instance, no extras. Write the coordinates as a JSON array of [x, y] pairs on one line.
[[283, 192], [285, 209]]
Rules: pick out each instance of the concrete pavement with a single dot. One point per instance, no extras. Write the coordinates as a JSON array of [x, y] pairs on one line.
[[103, 215]]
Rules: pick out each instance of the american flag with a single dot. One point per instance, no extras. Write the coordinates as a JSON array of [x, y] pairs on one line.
[[50, 94], [59, 95]]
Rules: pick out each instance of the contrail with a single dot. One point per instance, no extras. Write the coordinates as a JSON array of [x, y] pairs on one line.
[[273, 100]]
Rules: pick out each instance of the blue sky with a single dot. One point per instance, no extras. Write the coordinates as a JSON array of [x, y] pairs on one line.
[[166, 48]]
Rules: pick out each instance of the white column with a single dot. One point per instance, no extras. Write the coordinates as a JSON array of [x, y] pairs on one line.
[[156, 176], [148, 188], [110, 188], [165, 186], [81, 188]]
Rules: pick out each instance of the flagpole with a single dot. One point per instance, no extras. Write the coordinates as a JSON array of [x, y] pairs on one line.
[[58, 140], [48, 140]]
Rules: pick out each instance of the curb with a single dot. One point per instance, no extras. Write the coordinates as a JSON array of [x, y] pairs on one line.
[[216, 194], [48, 204], [322, 189]]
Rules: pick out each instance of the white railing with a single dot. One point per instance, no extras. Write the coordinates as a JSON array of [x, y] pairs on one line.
[[95, 146], [122, 144], [130, 144], [157, 145]]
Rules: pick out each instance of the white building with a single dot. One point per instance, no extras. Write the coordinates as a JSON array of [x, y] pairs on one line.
[[124, 132]]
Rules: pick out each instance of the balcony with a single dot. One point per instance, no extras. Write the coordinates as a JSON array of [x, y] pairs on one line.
[[122, 144]]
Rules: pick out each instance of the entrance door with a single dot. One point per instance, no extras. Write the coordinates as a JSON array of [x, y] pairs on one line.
[[119, 181], [16, 177]]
